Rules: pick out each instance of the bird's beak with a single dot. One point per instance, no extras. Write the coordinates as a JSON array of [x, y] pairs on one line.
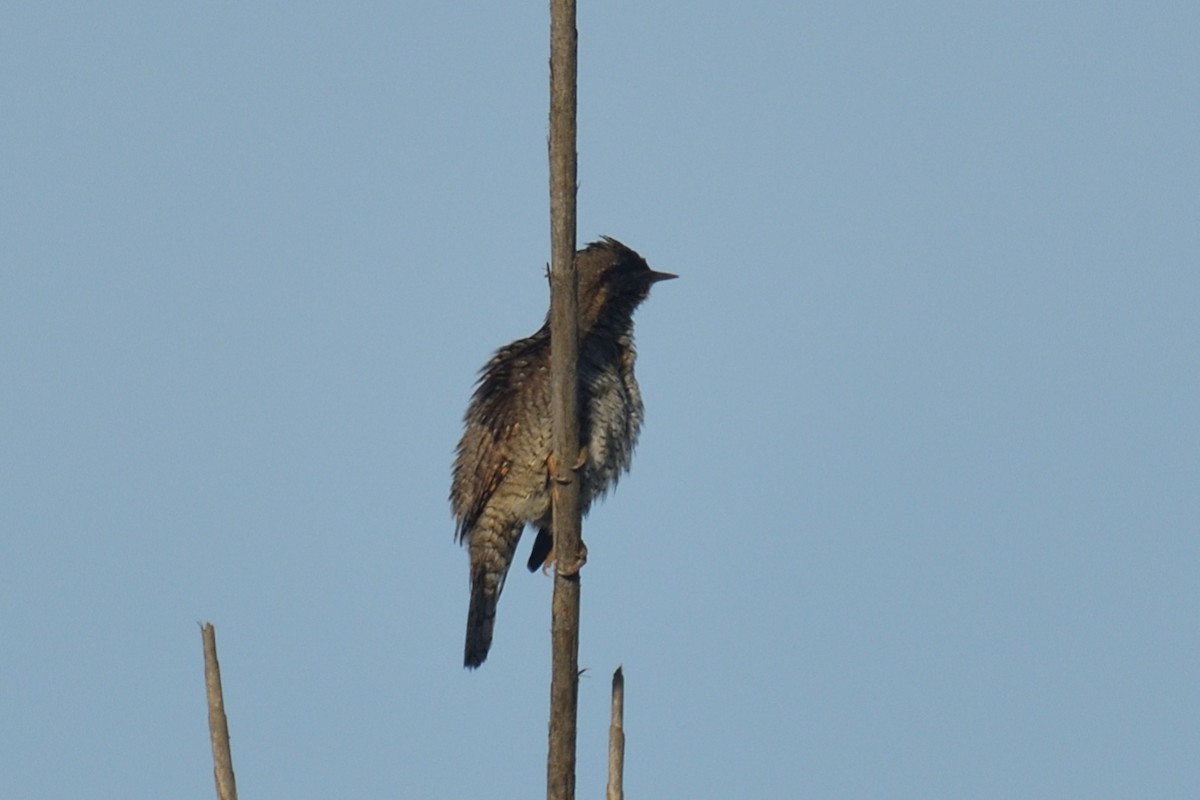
[[655, 277]]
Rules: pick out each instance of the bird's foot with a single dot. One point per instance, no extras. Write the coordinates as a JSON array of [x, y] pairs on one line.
[[572, 569], [559, 477]]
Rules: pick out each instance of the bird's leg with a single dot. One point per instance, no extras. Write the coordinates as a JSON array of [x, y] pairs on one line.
[[557, 479]]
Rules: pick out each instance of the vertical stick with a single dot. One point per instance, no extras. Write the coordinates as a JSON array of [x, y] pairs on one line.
[[616, 739], [564, 355], [218, 726]]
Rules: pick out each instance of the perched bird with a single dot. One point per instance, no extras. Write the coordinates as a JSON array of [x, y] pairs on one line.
[[502, 476]]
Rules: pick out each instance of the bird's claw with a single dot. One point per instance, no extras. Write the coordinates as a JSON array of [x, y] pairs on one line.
[[558, 477], [571, 570]]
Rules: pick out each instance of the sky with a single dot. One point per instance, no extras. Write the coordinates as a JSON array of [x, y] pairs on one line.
[[915, 509]]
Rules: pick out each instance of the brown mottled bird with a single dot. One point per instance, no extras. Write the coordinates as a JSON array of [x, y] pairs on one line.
[[502, 476]]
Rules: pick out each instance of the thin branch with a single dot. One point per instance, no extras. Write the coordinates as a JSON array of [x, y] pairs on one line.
[[564, 355], [616, 739], [218, 726]]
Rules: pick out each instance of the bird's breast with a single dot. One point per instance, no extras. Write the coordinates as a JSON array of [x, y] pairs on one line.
[[613, 419]]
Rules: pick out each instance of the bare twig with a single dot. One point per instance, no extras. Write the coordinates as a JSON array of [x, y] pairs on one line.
[[564, 354], [218, 726], [616, 739]]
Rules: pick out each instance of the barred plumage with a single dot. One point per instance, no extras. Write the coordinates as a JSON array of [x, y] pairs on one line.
[[501, 478]]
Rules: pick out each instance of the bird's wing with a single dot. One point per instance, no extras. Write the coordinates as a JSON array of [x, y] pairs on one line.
[[493, 422]]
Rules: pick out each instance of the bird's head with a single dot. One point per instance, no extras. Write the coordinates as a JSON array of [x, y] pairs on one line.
[[613, 281]]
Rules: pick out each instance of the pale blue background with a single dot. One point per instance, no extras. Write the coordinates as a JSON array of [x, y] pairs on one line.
[[915, 510]]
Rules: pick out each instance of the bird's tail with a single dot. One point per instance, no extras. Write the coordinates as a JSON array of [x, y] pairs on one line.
[[481, 619], [542, 554], [491, 555]]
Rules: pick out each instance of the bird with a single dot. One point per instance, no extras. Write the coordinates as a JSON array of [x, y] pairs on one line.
[[503, 471]]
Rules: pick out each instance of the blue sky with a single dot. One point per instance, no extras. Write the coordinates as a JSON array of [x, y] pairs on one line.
[[914, 513]]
